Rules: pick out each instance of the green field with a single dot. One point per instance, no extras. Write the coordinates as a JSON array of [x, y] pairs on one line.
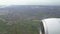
[[18, 27]]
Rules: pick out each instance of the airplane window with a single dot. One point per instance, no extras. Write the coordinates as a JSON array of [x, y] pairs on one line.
[[23, 16]]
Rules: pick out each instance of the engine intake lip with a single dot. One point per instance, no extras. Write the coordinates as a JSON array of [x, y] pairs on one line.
[[43, 28]]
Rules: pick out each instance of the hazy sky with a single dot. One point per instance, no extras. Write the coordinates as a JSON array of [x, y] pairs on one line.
[[29, 2]]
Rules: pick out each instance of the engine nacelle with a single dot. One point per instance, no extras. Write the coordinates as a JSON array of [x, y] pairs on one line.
[[50, 26]]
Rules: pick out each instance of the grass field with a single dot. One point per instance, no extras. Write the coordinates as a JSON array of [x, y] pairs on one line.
[[18, 27]]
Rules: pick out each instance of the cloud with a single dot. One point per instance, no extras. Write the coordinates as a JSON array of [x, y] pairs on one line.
[[29, 2]]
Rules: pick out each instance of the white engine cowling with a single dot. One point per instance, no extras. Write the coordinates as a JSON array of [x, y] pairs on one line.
[[50, 26]]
